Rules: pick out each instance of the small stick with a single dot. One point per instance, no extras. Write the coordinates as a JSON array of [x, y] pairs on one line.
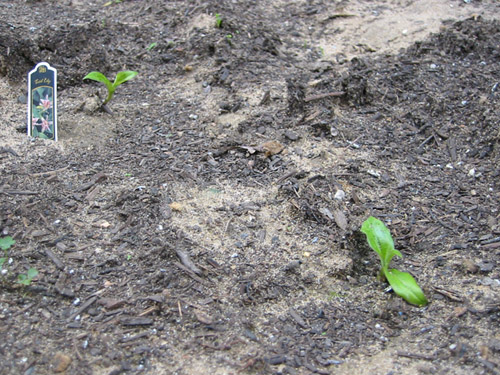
[[322, 96], [54, 259], [416, 356], [55, 171], [180, 308], [82, 308], [106, 109]]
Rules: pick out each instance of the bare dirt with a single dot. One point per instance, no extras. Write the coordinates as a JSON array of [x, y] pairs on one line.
[[211, 224]]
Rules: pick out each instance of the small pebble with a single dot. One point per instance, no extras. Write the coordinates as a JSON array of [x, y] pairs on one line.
[[291, 135], [340, 195]]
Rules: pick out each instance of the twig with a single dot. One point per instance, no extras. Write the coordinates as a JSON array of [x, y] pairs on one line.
[[8, 150], [286, 176], [18, 192], [82, 308], [416, 355], [322, 96], [186, 261], [55, 171], [190, 273], [54, 259], [180, 308], [106, 109]]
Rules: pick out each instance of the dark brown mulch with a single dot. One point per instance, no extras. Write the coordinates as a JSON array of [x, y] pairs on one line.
[[125, 286]]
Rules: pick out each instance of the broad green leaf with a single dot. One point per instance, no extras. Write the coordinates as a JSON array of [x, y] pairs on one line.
[[2, 261], [6, 243], [23, 279], [405, 286], [379, 238], [124, 77], [99, 77], [32, 273]]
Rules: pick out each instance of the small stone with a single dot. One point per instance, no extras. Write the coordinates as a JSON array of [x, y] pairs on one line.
[[486, 266], [470, 266], [339, 195], [61, 362], [291, 135], [22, 99], [494, 345], [61, 246]]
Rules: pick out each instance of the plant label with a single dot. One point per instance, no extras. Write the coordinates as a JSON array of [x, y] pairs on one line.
[[42, 102]]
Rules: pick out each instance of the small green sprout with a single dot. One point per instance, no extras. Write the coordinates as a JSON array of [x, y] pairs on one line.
[[404, 285], [25, 279], [121, 77], [5, 244], [151, 46], [129, 256], [218, 20], [112, 2]]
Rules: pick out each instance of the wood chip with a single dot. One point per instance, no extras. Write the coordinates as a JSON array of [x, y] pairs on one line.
[[54, 259], [111, 303], [298, 319], [203, 317], [340, 219], [136, 321], [186, 261]]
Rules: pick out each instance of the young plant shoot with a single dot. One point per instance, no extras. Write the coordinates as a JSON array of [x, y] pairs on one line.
[[121, 77], [404, 285]]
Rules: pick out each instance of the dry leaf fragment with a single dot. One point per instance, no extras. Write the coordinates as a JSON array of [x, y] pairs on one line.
[[176, 206], [272, 148], [203, 317]]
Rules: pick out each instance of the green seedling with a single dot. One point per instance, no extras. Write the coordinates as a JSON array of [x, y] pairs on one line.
[[5, 244], [404, 285], [151, 46], [112, 2], [218, 20], [26, 278], [121, 77]]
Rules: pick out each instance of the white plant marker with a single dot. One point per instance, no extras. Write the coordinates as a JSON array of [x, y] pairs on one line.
[[42, 102]]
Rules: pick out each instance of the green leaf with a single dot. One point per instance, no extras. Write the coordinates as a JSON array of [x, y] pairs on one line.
[[99, 77], [2, 261], [26, 279], [6, 243], [379, 238], [218, 20], [124, 77], [32, 273], [405, 286], [23, 279]]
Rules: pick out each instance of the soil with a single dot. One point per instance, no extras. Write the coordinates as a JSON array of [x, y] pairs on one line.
[[211, 224]]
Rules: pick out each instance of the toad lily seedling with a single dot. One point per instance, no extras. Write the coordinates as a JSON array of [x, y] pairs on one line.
[[404, 285], [121, 77]]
